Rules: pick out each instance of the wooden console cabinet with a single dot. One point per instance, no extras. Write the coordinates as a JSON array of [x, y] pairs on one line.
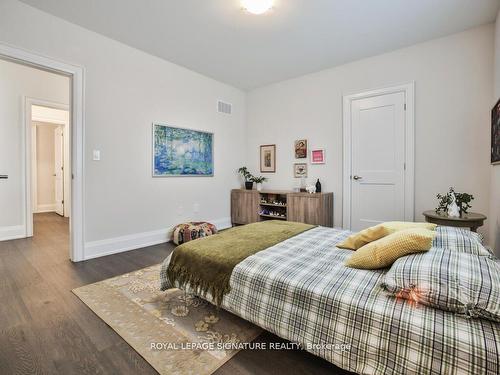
[[244, 206], [250, 206]]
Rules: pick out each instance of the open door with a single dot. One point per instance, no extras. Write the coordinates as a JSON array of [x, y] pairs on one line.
[[59, 169]]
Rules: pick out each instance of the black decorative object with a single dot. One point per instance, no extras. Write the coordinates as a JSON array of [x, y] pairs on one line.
[[249, 185], [318, 186]]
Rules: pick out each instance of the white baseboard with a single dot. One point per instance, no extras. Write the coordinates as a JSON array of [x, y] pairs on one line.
[[45, 208], [12, 232], [223, 223], [96, 249]]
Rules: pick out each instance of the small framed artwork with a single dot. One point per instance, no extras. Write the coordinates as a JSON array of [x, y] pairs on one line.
[[495, 134], [301, 149], [318, 156], [300, 170], [268, 158]]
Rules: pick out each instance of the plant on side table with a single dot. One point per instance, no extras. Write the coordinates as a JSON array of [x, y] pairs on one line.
[[462, 200], [243, 171], [259, 180]]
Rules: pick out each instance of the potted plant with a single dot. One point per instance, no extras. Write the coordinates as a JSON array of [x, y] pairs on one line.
[[259, 180], [247, 176], [462, 200]]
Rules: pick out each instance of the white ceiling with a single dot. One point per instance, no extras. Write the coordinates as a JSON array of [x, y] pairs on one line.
[[218, 39]]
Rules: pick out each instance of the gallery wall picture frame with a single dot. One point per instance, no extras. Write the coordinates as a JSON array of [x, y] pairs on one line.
[[181, 152], [300, 148], [300, 170], [495, 134], [318, 156], [268, 158]]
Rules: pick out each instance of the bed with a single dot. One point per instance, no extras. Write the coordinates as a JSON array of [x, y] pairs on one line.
[[300, 290]]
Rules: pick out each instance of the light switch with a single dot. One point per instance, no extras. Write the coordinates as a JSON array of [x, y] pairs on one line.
[[96, 155]]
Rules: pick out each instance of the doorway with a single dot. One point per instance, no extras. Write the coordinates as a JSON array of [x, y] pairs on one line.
[[51, 158], [16, 177], [378, 157]]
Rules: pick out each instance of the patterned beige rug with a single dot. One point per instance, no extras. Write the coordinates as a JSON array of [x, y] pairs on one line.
[[176, 333]]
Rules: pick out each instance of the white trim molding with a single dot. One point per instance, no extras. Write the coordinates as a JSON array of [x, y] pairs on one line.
[[12, 232], [109, 246], [223, 223], [100, 248], [409, 90], [77, 74], [51, 207]]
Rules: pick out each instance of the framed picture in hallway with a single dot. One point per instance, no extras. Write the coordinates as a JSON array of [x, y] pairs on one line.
[[182, 152], [268, 158]]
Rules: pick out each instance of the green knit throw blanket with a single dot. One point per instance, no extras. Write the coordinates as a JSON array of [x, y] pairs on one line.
[[206, 264]]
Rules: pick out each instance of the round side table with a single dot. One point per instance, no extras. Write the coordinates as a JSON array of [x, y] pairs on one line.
[[470, 220]]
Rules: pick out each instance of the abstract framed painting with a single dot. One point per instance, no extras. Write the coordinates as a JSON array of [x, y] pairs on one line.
[[495, 134], [179, 152]]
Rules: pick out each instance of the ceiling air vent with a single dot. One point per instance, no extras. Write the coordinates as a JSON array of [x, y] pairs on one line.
[[223, 107]]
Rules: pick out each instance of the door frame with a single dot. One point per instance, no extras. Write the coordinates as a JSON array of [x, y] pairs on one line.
[[59, 156], [32, 206], [409, 184], [77, 75]]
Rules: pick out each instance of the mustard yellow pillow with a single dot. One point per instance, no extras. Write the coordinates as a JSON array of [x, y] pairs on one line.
[[402, 225], [355, 241], [383, 252]]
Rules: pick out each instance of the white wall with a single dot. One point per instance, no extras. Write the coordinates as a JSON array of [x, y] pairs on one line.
[[495, 169], [45, 160], [125, 91], [453, 78], [16, 82]]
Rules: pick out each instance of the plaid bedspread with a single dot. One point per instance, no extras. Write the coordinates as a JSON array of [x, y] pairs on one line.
[[300, 290]]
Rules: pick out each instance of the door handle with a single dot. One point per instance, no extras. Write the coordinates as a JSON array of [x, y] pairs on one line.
[[3, 176], [356, 177]]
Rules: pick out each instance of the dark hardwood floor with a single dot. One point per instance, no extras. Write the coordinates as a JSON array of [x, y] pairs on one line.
[[45, 329]]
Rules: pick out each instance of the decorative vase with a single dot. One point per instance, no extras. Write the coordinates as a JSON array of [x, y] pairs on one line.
[[311, 189], [249, 185], [303, 184], [453, 210], [259, 186]]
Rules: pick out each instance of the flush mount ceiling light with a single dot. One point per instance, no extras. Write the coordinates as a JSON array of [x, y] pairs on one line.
[[257, 6]]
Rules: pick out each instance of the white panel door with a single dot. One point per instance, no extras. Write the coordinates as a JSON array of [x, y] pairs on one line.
[[377, 160], [59, 169]]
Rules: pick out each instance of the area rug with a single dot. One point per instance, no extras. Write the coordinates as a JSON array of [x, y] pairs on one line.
[[175, 332]]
